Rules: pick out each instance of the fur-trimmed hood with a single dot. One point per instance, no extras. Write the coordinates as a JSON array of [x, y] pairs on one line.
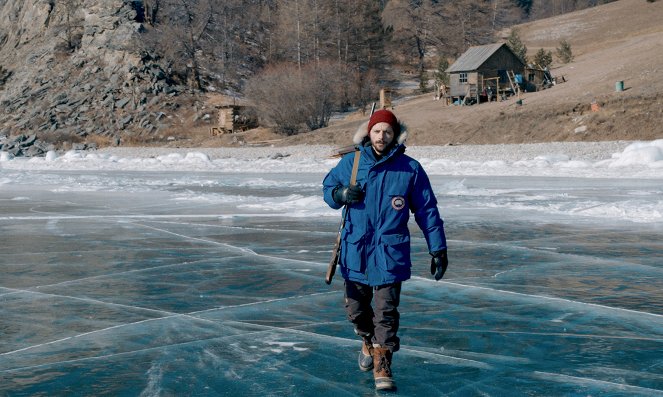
[[361, 136]]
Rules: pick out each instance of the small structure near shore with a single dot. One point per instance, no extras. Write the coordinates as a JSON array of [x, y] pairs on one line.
[[231, 119], [385, 98]]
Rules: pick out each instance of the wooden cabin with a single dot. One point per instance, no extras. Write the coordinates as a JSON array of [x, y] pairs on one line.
[[485, 72]]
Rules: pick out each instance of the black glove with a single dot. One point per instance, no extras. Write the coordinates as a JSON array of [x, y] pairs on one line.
[[348, 194], [439, 263]]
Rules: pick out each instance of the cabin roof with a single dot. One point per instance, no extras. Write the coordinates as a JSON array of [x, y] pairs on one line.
[[474, 57]]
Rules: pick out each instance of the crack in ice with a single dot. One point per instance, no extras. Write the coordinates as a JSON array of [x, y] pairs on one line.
[[548, 298]]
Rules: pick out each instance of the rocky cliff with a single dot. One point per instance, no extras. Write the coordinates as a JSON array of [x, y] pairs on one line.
[[78, 71]]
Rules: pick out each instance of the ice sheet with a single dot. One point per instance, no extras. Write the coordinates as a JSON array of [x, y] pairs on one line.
[[174, 283]]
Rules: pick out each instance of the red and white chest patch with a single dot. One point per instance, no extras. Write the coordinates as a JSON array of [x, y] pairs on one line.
[[398, 203]]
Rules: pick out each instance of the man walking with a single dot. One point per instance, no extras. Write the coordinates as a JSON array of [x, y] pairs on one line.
[[375, 242]]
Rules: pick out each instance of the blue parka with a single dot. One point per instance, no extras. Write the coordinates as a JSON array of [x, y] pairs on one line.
[[375, 240]]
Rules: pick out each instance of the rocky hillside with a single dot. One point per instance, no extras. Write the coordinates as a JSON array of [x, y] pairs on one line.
[[102, 87]]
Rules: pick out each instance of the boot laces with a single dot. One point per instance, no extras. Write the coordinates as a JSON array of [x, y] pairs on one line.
[[383, 365]]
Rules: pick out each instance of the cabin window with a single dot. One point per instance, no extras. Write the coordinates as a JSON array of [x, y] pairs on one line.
[[463, 77], [531, 77]]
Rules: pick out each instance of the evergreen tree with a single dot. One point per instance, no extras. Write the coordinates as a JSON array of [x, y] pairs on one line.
[[423, 81], [543, 58], [564, 52], [441, 75], [517, 46]]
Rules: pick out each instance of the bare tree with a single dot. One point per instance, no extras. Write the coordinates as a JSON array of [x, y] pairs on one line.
[[293, 99], [243, 37], [423, 29], [471, 21], [208, 44], [288, 32], [70, 29], [411, 22], [366, 37], [321, 92], [302, 31], [181, 37], [197, 17], [505, 13], [275, 92], [151, 9]]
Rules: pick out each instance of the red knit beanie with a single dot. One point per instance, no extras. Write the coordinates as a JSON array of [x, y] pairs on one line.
[[384, 116]]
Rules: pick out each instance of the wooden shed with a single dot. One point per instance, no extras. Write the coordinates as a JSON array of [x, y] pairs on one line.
[[537, 79], [494, 69], [233, 118]]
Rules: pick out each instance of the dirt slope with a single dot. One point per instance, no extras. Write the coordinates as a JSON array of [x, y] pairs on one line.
[[620, 41]]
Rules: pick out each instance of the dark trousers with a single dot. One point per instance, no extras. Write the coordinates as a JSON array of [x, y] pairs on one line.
[[377, 322]]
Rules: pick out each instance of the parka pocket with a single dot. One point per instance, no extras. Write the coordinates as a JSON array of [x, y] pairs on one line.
[[353, 246], [396, 250]]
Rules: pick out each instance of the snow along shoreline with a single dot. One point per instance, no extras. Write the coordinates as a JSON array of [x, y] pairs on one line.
[[590, 151], [616, 159]]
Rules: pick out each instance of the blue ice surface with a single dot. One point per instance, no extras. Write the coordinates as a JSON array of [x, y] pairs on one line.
[[174, 284]]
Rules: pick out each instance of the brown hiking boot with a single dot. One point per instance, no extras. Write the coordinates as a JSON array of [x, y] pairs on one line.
[[366, 356], [382, 369]]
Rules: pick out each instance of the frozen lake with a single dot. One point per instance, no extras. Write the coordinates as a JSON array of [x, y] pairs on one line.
[[133, 283]]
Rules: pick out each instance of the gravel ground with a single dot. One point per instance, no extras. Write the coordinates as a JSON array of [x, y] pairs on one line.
[[507, 152]]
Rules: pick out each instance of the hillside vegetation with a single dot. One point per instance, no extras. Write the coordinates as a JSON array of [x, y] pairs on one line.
[[154, 72], [620, 41]]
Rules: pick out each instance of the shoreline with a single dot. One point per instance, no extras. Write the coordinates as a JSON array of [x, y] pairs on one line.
[[614, 159], [508, 152]]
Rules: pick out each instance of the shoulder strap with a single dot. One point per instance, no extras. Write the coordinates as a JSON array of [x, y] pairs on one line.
[[355, 168]]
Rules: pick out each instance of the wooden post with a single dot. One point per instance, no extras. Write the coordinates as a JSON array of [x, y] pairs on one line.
[[385, 98]]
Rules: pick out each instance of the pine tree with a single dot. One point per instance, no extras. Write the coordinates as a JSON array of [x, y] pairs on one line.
[[564, 52], [543, 58], [517, 46], [423, 81], [441, 75]]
